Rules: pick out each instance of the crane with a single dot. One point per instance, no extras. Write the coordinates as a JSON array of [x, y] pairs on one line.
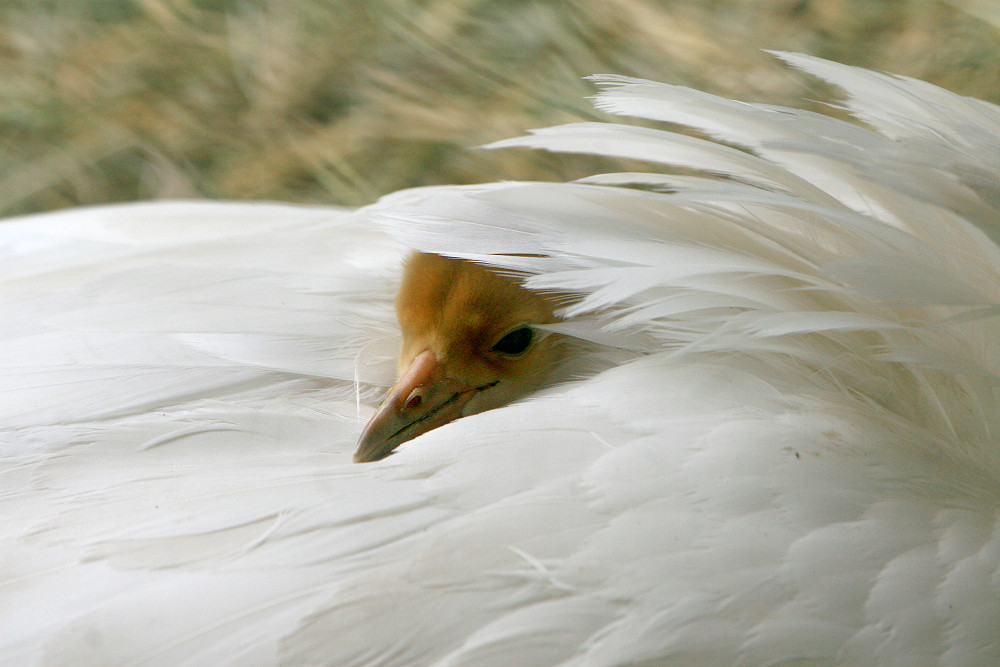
[[758, 425]]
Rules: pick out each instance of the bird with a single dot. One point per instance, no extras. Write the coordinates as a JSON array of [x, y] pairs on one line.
[[468, 344], [739, 408]]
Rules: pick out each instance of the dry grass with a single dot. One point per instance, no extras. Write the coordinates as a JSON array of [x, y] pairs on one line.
[[339, 101]]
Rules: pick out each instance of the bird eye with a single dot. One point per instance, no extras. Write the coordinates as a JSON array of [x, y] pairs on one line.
[[516, 342]]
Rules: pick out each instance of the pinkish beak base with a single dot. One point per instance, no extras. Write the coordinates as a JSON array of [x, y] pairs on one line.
[[423, 399]]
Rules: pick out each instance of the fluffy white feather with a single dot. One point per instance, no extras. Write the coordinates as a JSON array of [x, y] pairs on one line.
[[794, 459]]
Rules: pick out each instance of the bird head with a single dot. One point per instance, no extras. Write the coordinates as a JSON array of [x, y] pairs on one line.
[[469, 345]]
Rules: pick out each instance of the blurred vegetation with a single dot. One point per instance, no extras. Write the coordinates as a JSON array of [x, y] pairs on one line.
[[340, 101]]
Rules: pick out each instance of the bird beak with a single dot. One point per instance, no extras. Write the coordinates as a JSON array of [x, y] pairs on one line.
[[423, 399]]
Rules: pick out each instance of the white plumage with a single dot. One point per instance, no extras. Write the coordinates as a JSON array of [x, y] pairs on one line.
[[792, 459]]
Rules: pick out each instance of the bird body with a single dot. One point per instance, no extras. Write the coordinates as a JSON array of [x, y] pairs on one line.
[[774, 441]]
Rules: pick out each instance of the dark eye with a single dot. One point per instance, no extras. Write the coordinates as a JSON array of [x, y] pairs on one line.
[[516, 342]]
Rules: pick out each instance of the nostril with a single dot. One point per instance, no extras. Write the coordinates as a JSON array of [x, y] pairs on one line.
[[413, 401]]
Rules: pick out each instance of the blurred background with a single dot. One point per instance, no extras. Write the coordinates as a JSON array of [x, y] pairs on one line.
[[340, 101]]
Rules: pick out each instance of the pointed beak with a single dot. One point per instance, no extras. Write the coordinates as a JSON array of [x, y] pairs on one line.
[[423, 399]]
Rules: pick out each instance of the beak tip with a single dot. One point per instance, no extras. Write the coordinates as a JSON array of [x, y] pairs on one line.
[[397, 420], [372, 448]]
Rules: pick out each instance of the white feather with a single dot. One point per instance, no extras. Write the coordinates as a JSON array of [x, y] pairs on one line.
[[793, 459]]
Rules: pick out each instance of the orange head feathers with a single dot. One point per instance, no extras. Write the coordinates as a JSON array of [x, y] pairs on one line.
[[469, 345]]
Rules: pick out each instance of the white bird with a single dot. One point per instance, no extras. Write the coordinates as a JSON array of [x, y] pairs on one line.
[[766, 431]]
